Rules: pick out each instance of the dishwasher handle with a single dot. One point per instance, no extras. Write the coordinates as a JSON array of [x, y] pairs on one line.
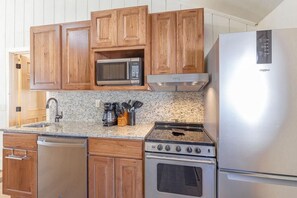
[[60, 144]]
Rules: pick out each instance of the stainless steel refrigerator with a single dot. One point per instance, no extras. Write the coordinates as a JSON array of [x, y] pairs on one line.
[[251, 112]]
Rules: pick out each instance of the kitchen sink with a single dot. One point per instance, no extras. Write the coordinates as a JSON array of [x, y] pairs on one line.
[[39, 125]]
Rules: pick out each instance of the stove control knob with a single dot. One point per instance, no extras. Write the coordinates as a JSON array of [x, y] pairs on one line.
[[197, 150], [167, 148], [160, 147], [189, 150], [178, 149]]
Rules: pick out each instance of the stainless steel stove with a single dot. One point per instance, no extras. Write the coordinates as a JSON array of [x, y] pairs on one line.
[[179, 162], [181, 139]]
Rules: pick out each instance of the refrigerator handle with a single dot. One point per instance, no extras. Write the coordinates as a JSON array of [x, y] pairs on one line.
[[262, 178]]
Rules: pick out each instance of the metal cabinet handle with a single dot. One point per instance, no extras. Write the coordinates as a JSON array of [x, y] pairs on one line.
[[15, 157]]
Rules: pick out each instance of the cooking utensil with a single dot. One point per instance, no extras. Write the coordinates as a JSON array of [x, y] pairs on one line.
[[126, 106], [137, 104]]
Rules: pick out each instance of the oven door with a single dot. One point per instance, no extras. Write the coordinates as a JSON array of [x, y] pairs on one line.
[[175, 176]]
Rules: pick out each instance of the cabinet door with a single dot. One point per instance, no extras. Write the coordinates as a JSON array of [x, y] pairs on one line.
[[45, 55], [104, 29], [164, 43], [20, 176], [190, 41], [129, 178], [101, 177], [76, 50], [132, 26]]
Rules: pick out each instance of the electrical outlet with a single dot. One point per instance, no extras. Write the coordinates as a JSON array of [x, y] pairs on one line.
[[97, 103]]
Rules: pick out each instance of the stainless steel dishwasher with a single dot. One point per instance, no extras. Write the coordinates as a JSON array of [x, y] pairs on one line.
[[62, 167]]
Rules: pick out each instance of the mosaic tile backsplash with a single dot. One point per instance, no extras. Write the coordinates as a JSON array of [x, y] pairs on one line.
[[158, 106]]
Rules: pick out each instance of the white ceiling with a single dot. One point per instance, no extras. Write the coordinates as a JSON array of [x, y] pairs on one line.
[[251, 10]]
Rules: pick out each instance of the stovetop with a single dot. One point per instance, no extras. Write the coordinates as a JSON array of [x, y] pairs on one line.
[[180, 138]]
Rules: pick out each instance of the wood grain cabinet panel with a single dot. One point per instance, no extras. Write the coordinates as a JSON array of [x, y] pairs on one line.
[[129, 178], [104, 28], [76, 51], [190, 41], [45, 49], [101, 177], [164, 43], [132, 26]]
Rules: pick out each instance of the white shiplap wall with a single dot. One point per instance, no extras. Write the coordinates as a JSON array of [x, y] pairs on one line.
[[16, 17]]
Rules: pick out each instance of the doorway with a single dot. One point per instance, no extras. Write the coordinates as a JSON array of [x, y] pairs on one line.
[[25, 105]]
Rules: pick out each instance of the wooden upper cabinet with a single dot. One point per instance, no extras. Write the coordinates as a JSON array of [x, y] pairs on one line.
[[132, 26], [190, 41], [104, 28], [76, 51], [164, 43], [129, 178], [119, 28], [45, 49]]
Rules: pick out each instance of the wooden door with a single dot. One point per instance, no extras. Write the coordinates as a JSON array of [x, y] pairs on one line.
[[190, 41], [129, 178], [76, 51], [164, 43], [104, 29], [20, 176], [32, 103], [132, 26], [45, 49], [101, 177]]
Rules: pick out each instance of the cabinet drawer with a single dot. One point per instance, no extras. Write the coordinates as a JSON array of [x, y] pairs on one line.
[[116, 148], [20, 141]]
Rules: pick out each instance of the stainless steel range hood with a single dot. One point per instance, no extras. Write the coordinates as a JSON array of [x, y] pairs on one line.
[[178, 82]]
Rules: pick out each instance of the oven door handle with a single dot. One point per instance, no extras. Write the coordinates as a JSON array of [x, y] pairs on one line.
[[181, 160]]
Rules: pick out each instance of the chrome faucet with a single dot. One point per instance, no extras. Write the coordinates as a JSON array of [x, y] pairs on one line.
[[57, 117]]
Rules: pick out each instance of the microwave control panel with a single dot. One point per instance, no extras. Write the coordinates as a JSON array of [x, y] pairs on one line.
[[135, 70]]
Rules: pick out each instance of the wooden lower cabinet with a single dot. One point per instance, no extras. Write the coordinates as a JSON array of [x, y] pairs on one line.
[[129, 178], [20, 176], [115, 177]]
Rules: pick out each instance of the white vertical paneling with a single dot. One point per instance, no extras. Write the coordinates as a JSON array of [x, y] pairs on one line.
[[146, 2], [236, 26], [28, 21], [38, 12], [208, 34], [158, 6], [19, 23], [251, 27], [105, 4], [70, 10], [2, 58], [49, 11], [117, 3], [10, 24], [130, 3], [173, 5], [187, 6], [81, 10], [93, 5], [59, 11], [220, 25]]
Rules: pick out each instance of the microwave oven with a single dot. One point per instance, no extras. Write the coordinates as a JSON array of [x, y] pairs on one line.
[[124, 71]]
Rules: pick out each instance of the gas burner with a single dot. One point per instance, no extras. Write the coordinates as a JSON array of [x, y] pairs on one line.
[[179, 138]]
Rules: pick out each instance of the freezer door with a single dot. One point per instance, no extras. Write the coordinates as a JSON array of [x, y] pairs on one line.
[[251, 185], [258, 108]]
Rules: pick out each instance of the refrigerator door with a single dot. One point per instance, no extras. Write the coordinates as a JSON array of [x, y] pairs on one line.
[[250, 185], [258, 108]]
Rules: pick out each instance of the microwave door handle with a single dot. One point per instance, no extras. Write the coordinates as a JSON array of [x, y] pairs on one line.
[[128, 70]]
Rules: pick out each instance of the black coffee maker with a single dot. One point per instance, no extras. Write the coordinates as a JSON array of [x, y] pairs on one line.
[[109, 115]]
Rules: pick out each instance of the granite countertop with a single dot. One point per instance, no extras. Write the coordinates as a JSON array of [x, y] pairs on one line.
[[87, 129]]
